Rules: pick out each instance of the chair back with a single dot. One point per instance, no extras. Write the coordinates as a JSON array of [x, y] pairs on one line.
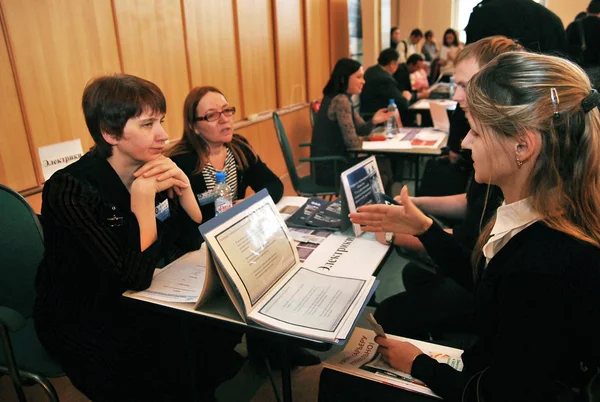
[[287, 152], [314, 109], [21, 250]]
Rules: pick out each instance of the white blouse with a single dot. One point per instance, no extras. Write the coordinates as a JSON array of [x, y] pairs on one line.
[[510, 220]]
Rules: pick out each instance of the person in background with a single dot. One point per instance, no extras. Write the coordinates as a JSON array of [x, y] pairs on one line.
[[380, 86], [531, 24], [583, 37], [448, 53], [430, 50], [208, 145], [535, 133], [109, 220], [403, 77], [338, 125], [394, 37], [410, 46]]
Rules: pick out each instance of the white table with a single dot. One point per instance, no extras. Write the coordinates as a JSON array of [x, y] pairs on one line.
[[221, 312]]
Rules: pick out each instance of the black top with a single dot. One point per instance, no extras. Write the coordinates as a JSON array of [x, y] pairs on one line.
[[482, 202], [92, 255], [257, 176], [402, 77], [459, 128], [532, 24], [591, 32], [379, 88], [337, 127], [538, 309]]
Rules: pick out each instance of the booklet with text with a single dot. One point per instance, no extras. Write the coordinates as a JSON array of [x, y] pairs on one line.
[[360, 358], [317, 213], [252, 252]]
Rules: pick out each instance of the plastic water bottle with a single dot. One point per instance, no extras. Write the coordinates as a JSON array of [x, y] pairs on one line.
[[223, 196], [452, 87], [392, 125]]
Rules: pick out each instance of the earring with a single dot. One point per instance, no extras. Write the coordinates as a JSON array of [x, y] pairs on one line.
[[519, 162]]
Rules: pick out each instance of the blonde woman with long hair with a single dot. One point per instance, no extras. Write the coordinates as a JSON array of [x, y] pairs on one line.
[[535, 134]]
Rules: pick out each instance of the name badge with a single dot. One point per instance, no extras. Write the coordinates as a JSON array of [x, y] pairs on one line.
[[205, 198], [162, 211]]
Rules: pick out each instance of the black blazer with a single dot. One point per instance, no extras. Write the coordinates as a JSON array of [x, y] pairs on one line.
[[379, 88], [532, 24]]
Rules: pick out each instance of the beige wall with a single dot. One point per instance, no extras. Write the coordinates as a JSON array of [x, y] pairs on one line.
[[567, 9], [424, 14], [371, 16], [259, 52]]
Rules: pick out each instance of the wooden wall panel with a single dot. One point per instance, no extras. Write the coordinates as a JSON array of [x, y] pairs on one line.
[[211, 46], [263, 138], [290, 52], [371, 31], [58, 45], [255, 41], [567, 10], [317, 40], [339, 36], [16, 165], [151, 40]]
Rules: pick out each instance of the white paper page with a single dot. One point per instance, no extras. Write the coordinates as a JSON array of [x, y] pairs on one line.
[[393, 143], [57, 156], [428, 138], [423, 104], [340, 254], [255, 250], [313, 304], [180, 281]]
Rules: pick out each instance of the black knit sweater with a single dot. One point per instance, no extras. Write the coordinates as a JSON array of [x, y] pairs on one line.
[[538, 309]]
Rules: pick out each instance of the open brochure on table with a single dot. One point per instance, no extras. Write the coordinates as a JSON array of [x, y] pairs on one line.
[[252, 256], [360, 358]]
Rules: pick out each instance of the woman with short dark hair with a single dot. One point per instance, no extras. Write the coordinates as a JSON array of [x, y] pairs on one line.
[[109, 220]]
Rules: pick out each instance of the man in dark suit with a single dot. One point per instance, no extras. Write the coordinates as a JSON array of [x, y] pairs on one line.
[[402, 76], [380, 86], [533, 25]]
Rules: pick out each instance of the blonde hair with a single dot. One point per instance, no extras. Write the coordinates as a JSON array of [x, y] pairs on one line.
[[486, 49], [511, 95]]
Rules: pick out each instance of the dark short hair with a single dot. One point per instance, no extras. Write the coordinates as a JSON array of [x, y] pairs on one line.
[[414, 58], [338, 82], [109, 101], [416, 32], [387, 56], [455, 41], [428, 34], [594, 7], [393, 29]]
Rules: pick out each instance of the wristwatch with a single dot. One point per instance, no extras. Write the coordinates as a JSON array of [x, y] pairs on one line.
[[389, 238]]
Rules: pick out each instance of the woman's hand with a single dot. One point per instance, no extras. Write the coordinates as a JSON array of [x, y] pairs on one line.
[[400, 355], [382, 115], [406, 218], [165, 174]]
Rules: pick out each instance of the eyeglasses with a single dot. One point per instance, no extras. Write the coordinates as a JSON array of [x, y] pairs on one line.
[[214, 116]]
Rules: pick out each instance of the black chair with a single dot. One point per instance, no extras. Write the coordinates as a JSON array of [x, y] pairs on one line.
[[22, 247], [307, 186]]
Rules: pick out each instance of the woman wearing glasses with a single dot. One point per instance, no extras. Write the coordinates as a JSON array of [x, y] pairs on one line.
[[209, 145]]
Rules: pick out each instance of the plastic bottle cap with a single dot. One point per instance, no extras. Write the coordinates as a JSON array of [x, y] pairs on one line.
[[392, 101], [220, 177]]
